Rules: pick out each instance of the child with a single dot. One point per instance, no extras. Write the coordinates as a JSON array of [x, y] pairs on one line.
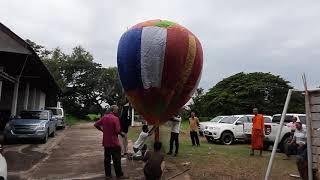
[[139, 147], [152, 169]]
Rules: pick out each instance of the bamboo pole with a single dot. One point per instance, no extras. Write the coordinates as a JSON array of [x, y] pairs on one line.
[[308, 123], [275, 146]]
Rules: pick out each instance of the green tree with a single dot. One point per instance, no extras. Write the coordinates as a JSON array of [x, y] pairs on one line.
[[81, 76], [239, 93], [196, 103], [56, 65], [87, 86], [110, 87], [42, 52]]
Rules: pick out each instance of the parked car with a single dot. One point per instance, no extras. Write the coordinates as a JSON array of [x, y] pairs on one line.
[[228, 130], [32, 124], [3, 166], [58, 113], [204, 125], [271, 130]]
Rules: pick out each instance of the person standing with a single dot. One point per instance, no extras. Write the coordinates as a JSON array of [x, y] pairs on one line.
[[175, 130], [194, 123], [124, 124], [110, 126], [257, 132]]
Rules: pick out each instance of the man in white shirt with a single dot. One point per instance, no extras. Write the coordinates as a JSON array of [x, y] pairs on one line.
[[298, 143], [139, 147], [175, 130]]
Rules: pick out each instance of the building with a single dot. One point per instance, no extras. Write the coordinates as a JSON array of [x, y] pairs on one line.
[[25, 82]]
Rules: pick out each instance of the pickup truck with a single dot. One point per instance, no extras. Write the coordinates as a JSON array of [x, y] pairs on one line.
[[271, 129], [31, 124], [228, 130], [204, 125]]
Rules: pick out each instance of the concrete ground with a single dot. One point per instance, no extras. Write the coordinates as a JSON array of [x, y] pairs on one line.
[[75, 153]]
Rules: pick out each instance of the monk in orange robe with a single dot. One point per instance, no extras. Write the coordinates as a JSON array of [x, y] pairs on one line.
[[257, 132]]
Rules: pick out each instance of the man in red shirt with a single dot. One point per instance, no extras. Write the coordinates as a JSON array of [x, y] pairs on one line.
[[109, 124]]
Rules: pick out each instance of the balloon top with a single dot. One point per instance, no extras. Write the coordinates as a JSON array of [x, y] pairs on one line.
[[159, 64]]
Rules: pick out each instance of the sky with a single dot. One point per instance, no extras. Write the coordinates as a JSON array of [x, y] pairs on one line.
[[280, 37]]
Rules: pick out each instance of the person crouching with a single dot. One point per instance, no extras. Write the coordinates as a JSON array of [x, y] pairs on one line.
[[139, 147], [152, 169]]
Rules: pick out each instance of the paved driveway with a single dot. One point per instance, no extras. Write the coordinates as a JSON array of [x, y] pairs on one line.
[[75, 153]]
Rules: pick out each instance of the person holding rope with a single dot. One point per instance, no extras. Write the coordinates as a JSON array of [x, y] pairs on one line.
[[139, 147]]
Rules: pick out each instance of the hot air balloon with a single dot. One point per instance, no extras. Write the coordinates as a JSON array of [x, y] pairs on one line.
[[159, 64]]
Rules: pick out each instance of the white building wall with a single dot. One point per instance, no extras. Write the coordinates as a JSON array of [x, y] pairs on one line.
[[42, 100], [30, 98], [20, 101]]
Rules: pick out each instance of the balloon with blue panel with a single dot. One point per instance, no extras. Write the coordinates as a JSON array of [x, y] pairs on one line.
[[159, 64]]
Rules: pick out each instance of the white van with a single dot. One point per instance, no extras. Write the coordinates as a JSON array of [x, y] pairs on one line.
[[58, 114]]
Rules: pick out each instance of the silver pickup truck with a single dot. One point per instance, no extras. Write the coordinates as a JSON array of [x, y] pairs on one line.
[[31, 124]]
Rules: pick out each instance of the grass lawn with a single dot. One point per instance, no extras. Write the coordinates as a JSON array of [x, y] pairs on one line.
[[215, 161], [72, 120]]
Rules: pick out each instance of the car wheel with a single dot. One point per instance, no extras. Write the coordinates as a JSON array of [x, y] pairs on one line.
[[227, 138], [266, 146], [6, 140], [45, 139], [53, 133], [209, 139], [283, 144]]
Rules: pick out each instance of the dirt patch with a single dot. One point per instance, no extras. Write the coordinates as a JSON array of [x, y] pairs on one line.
[[24, 160]]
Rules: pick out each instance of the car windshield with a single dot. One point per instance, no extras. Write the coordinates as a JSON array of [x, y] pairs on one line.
[[57, 112], [41, 115], [216, 119], [229, 120], [277, 118]]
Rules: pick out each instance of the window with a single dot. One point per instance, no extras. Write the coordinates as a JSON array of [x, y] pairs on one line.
[[249, 119], [229, 120], [216, 119], [56, 111], [303, 119], [267, 120], [242, 120], [41, 115], [277, 118]]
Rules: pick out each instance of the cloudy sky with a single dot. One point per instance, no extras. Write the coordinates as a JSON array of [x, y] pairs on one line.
[[269, 36]]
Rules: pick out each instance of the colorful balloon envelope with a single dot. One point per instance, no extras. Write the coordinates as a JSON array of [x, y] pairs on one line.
[[160, 64]]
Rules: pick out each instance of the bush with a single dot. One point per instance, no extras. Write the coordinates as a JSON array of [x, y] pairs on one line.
[[93, 117], [202, 119], [71, 120]]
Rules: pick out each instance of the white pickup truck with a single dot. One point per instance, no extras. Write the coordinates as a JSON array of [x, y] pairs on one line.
[[229, 129], [204, 125], [271, 129]]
